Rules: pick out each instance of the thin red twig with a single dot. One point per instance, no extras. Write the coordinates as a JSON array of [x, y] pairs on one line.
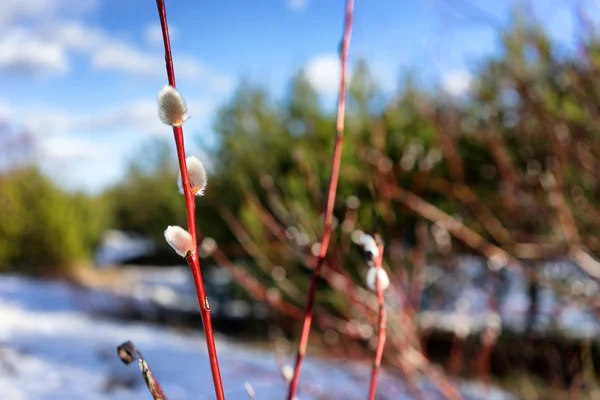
[[328, 219], [194, 265], [382, 326], [192, 260]]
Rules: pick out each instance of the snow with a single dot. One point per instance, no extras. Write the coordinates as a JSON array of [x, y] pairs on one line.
[[468, 285], [118, 246], [51, 347]]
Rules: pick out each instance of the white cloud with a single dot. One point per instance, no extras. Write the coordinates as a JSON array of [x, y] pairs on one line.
[[297, 5], [142, 117], [14, 10], [121, 57], [72, 35], [110, 53], [153, 34], [82, 163], [70, 148], [323, 73], [46, 50], [22, 53], [139, 117], [457, 83], [90, 150], [44, 122]]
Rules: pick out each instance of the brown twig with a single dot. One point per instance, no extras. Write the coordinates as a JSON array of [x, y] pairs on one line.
[[454, 227], [506, 169], [419, 262], [328, 219], [192, 259], [480, 210]]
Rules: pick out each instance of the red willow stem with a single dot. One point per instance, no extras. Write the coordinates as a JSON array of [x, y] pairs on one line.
[[382, 327], [328, 218], [192, 259], [194, 265]]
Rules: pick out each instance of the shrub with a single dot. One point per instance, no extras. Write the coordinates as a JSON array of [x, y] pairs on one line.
[[44, 229]]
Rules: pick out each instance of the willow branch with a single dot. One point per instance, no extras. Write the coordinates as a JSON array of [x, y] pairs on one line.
[[192, 259], [328, 219]]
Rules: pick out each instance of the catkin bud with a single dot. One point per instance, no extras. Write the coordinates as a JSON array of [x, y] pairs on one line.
[[288, 373], [384, 280], [180, 240], [196, 175], [172, 109], [370, 245]]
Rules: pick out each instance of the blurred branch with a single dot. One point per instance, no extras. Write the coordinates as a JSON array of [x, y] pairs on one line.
[[483, 214], [128, 353], [381, 323], [419, 262], [506, 168], [472, 239], [331, 194]]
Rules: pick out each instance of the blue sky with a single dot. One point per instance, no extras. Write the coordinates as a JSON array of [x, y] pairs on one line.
[[82, 75]]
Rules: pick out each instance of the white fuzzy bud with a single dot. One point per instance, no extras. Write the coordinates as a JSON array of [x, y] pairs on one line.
[[172, 109], [196, 175], [180, 240], [384, 280], [288, 373], [369, 244]]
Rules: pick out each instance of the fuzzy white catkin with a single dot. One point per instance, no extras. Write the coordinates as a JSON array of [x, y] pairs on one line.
[[288, 373], [383, 278], [179, 239], [172, 109], [369, 244], [196, 175]]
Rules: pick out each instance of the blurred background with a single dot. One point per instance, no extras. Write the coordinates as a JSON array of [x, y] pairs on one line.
[[472, 146]]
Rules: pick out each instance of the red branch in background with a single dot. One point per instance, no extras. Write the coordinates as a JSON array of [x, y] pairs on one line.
[[328, 219], [190, 206], [382, 324]]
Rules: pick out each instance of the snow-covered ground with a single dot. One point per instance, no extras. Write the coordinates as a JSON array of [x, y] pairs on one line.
[[463, 295], [51, 349]]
